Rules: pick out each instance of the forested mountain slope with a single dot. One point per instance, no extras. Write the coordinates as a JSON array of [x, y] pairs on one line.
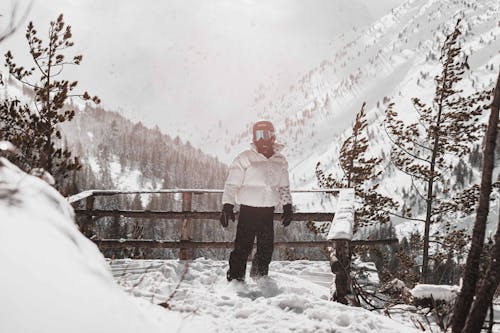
[[394, 60], [118, 153]]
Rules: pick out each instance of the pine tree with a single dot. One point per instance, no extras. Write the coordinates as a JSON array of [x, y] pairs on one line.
[[360, 172], [449, 126], [40, 147]]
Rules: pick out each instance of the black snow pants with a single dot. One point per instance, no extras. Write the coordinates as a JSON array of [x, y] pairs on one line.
[[252, 222]]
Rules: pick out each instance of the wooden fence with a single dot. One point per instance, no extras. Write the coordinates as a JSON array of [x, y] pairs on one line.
[[340, 243]]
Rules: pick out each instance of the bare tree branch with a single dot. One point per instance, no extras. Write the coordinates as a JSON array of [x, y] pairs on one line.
[[406, 217], [417, 189], [400, 147]]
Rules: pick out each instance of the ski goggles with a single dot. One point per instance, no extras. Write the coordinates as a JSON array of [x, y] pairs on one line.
[[263, 134]]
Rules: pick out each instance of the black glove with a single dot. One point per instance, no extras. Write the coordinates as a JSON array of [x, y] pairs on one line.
[[287, 214], [227, 213]]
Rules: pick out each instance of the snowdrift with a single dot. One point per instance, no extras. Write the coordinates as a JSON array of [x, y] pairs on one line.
[[53, 278]]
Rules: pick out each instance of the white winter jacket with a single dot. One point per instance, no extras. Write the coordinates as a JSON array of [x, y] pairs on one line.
[[257, 181]]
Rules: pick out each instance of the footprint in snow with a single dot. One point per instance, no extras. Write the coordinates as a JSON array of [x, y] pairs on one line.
[[264, 287]]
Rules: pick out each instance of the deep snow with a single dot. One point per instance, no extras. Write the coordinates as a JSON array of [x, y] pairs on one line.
[[294, 298], [56, 280]]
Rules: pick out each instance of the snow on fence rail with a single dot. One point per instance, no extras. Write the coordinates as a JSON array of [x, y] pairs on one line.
[[339, 239], [86, 194]]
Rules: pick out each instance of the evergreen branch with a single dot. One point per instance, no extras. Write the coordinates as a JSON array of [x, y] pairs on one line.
[[402, 148], [440, 243], [405, 217], [344, 171], [60, 70], [413, 155], [445, 135], [28, 83], [439, 175], [361, 293], [63, 63], [420, 117], [77, 95], [417, 189], [421, 145], [44, 74], [443, 210], [408, 173], [59, 48], [37, 109]]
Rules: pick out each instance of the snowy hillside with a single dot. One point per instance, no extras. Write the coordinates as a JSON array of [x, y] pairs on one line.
[[394, 59], [58, 281]]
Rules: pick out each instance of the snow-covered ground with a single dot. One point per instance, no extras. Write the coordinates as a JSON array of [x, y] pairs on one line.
[[294, 298], [55, 280]]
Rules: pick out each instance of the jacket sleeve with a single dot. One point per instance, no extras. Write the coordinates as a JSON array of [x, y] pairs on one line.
[[284, 186], [234, 181]]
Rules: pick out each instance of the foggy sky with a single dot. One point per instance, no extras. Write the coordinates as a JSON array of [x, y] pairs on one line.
[[186, 64]]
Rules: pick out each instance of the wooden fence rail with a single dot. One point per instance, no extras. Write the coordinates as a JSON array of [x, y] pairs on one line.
[[151, 214], [91, 215], [161, 244]]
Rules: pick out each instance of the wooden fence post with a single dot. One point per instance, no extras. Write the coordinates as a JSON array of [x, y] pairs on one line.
[[340, 236], [87, 227], [340, 262], [186, 253]]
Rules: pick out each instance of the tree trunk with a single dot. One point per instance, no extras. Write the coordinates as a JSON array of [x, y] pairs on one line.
[[486, 291], [471, 271], [424, 278], [340, 258], [48, 106], [425, 256]]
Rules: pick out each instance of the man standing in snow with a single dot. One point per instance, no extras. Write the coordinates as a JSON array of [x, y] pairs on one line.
[[258, 181]]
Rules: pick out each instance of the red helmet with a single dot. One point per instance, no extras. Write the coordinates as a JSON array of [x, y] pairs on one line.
[[263, 137], [263, 130]]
